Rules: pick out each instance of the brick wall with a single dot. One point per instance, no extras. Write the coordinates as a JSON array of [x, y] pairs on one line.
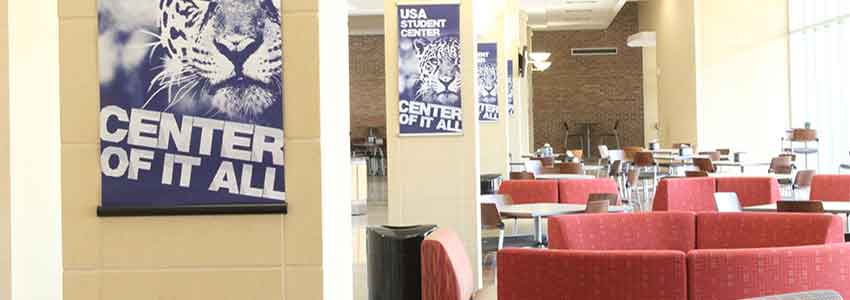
[[590, 88], [368, 105]]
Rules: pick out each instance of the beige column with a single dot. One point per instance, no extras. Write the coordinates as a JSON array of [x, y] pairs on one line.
[[318, 175], [5, 193], [518, 125], [677, 80], [302, 255], [435, 179], [494, 135]]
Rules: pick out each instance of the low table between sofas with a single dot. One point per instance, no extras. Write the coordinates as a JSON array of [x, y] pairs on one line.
[[538, 211]]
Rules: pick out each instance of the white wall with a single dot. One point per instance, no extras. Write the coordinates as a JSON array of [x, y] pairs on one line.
[[35, 150]]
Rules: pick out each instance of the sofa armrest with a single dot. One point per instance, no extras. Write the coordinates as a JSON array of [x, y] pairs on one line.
[[743, 273], [568, 274]]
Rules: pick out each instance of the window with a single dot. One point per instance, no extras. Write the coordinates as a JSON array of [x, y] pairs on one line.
[[820, 76]]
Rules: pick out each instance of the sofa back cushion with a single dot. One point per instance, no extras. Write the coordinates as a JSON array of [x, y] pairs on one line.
[[758, 230], [557, 274], [446, 271], [530, 191], [751, 190], [576, 191], [748, 273], [638, 231], [830, 188], [685, 194]]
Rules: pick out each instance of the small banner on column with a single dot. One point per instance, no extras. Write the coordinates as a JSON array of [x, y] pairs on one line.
[[488, 82], [429, 69], [191, 103], [510, 87]]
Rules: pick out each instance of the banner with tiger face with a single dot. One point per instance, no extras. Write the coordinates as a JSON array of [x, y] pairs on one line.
[[429, 69], [191, 97], [488, 82]]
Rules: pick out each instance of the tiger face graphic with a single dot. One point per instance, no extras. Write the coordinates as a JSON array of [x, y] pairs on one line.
[[439, 70], [487, 92], [226, 52]]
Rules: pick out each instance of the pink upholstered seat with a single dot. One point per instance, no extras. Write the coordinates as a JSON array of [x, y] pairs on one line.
[[526, 274], [446, 270], [640, 231], [760, 230], [746, 273], [685, 194], [576, 191], [830, 188], [751, 190], [530, 191]]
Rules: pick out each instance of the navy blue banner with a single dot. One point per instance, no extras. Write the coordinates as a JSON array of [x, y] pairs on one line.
[[488, 82], [191, 102], [510, 87], [429, 69]]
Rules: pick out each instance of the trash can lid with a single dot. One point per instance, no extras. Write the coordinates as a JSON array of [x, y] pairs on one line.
[[401, 232]]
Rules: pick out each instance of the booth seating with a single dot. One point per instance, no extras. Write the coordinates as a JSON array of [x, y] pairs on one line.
[[830, 188], [679, 255], [697, 193], [575, 191]]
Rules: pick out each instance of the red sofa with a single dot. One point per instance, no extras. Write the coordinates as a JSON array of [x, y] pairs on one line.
[[697, 194], [727, 255], [556, 191], [830, 188]]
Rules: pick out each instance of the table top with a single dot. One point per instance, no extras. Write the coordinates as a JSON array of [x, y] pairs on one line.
[[842, 207], [542, 210], [563, 176], [729, 163], [774, 175]]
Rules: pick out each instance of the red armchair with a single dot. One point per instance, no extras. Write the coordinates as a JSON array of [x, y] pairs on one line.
[[685, 194], [446, 271], [640, 231], [761, 230], [745, 273], [751, 190], [830, 188], [576, 191], [568, 274], [530, 191]]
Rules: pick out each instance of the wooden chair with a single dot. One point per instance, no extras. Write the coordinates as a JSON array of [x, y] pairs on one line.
[[611, 198], [696, 174], [597, 207], [705, 165], [629, 152], [727, 202], [712, 155], [567, 136], [613, 133], [522, 176], [800, 206], [570, 168], [781, 165], [802, 180]]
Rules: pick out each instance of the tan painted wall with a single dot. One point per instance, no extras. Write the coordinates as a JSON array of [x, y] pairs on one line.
[[518, 125], [5, 193], [648, 19], [677, 82], [494, 135], [742, 60], [435, 179], [216, 257]]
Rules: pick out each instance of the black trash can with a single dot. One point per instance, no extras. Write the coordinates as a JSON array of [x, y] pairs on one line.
[[394, 267]]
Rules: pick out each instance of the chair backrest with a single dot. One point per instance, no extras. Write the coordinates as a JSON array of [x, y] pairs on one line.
[[570, 168], [712, 155], [603, 152], [696, 174], [616, 155], [804, 178], [534, 166], [630, 151], [597, 207], [781, 165], [522, 175], [704, 164], [800, 206], [611, 198], [644, 159], [446, 270], [727, 202], [490, 216]]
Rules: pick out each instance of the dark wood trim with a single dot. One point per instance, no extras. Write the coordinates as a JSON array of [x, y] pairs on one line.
[[191, 210]]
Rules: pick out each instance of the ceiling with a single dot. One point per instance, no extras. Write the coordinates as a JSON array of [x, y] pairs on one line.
[[542, 14]]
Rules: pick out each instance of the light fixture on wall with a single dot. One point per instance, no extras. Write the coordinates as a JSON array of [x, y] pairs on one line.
[[540, 61]]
